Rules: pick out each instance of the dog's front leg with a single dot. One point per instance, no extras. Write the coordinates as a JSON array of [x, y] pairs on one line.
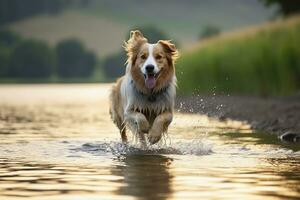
[[160, 125], [137, 123]]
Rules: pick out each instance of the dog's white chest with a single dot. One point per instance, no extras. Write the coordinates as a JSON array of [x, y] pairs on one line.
[[157, 103]]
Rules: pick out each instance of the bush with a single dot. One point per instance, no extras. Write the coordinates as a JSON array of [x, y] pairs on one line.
[[209, 31], [265, 62], [31, 59], [286, 7], [74, 60], [114, 65], [9, 39], [14, 10], [4, 60]]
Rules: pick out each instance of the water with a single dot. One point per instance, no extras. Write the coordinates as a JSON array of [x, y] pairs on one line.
[[58, 142]]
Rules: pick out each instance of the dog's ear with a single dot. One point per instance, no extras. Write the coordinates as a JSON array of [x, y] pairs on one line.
[[170, 49], [133, 45], [136, 35]]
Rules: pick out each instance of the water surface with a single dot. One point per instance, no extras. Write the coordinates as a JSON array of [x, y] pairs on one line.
[[58, 142]]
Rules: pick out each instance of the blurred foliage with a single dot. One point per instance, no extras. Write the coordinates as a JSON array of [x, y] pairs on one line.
[[209, 31], [114, 65], [31, 59], [287, 7], [263, 61], [4, 60], [73, 60], [8, 38], [13, 10]]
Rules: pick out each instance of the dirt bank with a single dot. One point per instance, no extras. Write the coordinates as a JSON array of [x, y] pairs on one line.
[[277, 114]]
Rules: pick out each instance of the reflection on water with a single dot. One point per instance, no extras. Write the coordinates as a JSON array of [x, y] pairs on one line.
[[57, 142], [145, 176]]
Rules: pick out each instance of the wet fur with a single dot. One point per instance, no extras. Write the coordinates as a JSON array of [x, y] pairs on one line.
[[129, 99]]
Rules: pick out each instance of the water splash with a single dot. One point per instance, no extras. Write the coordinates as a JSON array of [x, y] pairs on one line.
[[182, 147]]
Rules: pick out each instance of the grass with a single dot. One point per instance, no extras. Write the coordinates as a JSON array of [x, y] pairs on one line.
[[261, 60]]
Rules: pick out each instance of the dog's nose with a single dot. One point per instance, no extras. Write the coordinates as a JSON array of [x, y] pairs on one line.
[[150, 68]]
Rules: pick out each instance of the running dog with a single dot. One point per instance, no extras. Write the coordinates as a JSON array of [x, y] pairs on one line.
[[143, 99]]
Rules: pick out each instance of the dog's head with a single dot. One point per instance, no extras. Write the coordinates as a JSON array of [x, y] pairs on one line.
[[152, 65]]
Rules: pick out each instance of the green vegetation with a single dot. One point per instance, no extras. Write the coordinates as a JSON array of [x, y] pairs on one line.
[[14, 10], [73, 60], [28, 60], [31, 59], [103, 24], [287, 7], [262, 61], [114, 65], [210, 31]]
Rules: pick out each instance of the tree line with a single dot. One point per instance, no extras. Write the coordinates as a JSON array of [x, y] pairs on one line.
[[28, 58], [14, 10]]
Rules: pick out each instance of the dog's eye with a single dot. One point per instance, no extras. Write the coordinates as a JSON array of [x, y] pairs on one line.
[[158, 57], [143, 56]]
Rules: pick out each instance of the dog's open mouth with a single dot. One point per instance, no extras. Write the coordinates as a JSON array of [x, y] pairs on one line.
[[150, 80]]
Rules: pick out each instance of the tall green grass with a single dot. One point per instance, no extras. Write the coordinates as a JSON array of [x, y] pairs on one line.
[[263, 61]]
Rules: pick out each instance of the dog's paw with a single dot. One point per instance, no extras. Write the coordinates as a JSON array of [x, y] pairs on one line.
[[153, 137]]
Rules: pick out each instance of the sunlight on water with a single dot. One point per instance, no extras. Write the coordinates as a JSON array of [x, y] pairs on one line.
[[58, 142]]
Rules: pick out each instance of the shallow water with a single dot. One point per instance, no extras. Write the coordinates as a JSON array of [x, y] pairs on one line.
[[58, 142]]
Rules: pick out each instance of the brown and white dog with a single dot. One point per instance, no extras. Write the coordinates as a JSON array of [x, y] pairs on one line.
[[143, 99]]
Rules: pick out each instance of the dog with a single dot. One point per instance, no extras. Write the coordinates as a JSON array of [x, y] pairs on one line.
[[143, 99]]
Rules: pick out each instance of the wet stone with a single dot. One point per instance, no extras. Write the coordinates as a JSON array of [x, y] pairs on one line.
[[290, 137]]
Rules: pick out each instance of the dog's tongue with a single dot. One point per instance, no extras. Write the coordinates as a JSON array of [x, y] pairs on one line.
[[150, 82]]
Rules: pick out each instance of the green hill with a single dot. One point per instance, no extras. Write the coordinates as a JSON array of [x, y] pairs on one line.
[[259, 60], [103, 24], [101, 35]]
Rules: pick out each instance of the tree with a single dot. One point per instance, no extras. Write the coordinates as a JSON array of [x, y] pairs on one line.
[[4, 60], [114, 65], [287, 7], [210, 31], [13, 10], [73, 60], [9, 39], [31, 59]]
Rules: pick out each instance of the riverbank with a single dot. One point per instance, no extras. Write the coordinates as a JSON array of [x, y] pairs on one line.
[[274, 114]]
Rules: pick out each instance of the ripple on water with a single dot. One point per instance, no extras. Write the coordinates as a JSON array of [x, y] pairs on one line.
[[195, 147], [59, 143]]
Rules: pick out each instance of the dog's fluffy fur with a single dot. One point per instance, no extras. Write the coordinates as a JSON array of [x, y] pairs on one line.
[[143, 100]]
